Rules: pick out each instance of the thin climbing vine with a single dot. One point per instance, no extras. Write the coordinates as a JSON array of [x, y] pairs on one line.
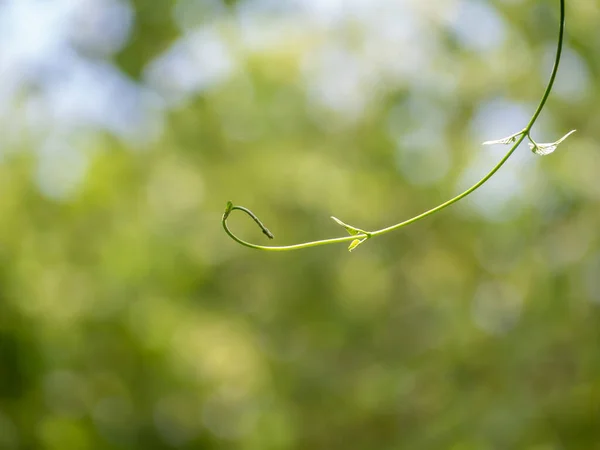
[[357, 236]]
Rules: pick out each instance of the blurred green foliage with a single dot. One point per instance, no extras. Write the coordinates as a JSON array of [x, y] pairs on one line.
[[129, 320]]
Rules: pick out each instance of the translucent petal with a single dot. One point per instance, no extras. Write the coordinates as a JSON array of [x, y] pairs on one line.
[[505, 141], [547, 148], [542, 149]]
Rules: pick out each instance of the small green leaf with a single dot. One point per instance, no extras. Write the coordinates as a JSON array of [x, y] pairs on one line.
[[546, 149], [355, 243], [349, 228]]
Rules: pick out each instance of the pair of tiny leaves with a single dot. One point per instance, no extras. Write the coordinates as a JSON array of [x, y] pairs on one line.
[[538, 149], [353, 231]]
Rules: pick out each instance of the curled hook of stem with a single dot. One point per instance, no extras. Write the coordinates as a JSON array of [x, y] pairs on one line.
[[230, 207], [358, 236]]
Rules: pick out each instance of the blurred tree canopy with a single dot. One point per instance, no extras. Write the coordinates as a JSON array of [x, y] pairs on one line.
[[129, 320]]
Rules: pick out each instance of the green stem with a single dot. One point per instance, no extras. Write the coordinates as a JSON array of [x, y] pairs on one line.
[[525, 132]]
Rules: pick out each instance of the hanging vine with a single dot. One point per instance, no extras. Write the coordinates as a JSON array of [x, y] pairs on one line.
[[357, 236]]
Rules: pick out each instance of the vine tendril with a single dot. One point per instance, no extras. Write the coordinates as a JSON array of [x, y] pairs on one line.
[[357, 236]]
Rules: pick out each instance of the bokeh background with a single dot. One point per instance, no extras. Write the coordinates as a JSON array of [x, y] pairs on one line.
[[129, 320]]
